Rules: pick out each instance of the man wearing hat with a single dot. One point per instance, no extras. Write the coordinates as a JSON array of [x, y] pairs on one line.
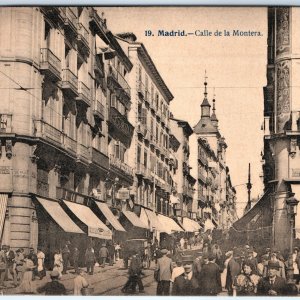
[[54, 287], [183, 284], [233, 269], [164, 269], [103, 254], [210, 278], [272, 285]]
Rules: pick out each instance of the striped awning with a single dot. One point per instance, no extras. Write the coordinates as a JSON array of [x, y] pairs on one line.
[[3, 206], [59, 215]]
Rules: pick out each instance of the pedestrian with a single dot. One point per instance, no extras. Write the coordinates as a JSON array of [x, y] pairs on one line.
[[135, 272], [272, 285], [296, 264], [2, 266], [58, 262], [10, 265], [19, 260], [262, 265], [33, 257], [205, 248], [245, 284], [275, 258], [54, 287], [103, 255], [177, 270], [41, 271], [66, 258], [75, 259], [183, 284], [164, 269], [197, 266], [79, 283], [252, 259], [217, 252], [90, 260], [111, 253], [181, 243], [26, 286], [210, 283], [233, 269], [117, 251]]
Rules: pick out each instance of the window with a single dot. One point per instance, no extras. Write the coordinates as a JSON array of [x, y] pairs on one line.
[[157, 133], [152, 163], [113, 100], [145, 158], [140, 73], [140, 117], [120, 150], [144, 116], [138, 155], [47, 35], [156, 101]]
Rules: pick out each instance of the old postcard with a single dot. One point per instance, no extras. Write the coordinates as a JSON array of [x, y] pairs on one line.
[[150, 150]]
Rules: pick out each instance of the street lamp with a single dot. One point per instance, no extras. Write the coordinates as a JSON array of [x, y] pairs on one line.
[[292, 203]]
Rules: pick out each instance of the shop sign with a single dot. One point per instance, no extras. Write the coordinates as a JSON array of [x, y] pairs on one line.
[[4, 170], [295, 172], [123, 194], [99, 233]]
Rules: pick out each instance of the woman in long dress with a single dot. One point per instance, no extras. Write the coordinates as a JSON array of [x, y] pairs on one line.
[[58, 262], [41, 272], [26, 286]]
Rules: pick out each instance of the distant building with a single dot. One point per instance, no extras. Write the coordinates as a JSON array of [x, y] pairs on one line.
[[214, 200]]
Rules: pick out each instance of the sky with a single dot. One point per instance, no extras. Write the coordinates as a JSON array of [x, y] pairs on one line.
[[235, 67]]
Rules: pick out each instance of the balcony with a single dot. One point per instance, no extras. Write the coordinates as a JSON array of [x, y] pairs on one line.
[[148, 175], [115, 79], [141, 129], [141, 89], [203, 160], [99, 68], [119, 125], [152, 140], [83, 153], [83, 39], [98, 24], [120, 165], [140, 170], [100, 159], [147, 97], [48, 132], [62, 193], [70, 21], [84, 94], [70, 145], [295, 126], [50, 64], [187, 191], [99, 111], [202, 177], [70, 83], [54, 13]]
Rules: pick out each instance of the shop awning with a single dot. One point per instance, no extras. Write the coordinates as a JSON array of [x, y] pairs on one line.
[[3, 206], [59, 215], [134, 219], [168, 225], [190, 225], [153, 219], [110, 216], [96, 228]]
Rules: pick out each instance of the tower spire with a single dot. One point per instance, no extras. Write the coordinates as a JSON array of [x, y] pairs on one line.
[[213, 117], [205, 106]]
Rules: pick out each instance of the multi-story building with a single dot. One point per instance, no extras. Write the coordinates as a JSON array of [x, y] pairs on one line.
[[59, 65], [211, 198], [183, 178], [281, 122], [149, 150]]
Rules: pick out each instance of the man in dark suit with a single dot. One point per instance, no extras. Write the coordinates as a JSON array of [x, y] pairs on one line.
[[233, 269], [210, 278], [272, 285], [183, 284]]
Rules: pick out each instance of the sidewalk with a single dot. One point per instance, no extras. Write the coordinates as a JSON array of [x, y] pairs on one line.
[[67, 279]]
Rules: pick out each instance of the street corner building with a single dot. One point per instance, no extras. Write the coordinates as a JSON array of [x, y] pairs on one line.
[[89, 149], [274, 219]]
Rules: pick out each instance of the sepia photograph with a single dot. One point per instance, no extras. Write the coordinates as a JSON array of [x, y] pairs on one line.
[[150, 150]]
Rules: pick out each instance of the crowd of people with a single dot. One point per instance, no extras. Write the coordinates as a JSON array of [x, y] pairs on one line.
[[23, 269], [240, 271]]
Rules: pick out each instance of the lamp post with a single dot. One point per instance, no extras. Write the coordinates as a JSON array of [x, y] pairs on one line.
[[115, 182], [292, 203]]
